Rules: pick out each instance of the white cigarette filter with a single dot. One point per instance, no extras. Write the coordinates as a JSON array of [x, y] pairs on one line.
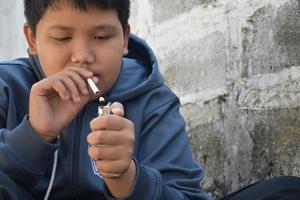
[[93, 86]]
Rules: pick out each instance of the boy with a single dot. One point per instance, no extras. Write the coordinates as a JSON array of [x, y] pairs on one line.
[[139, 151], [53, 144]]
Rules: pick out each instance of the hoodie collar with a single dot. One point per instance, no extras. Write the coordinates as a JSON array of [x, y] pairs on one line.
[[34, 61]]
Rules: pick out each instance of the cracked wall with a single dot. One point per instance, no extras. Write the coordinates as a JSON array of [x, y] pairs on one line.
[[235, 66]]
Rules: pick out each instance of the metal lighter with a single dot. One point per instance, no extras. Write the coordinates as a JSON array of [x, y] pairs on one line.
[[102, 108]]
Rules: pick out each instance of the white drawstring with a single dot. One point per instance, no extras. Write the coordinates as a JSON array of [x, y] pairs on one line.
[[52, 175]]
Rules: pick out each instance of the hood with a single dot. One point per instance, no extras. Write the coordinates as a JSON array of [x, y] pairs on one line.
[[139, 72]]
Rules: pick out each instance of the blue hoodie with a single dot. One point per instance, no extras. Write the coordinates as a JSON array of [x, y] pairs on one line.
[[165, 168]]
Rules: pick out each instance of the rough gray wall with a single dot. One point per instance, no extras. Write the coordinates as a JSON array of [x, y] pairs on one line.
[[235, 65]]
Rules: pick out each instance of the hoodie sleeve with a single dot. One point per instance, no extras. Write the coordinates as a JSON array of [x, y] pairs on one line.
[[24, 156], [165, 167]]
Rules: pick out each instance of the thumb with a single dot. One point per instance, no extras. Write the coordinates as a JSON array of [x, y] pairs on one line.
[[117, 109]]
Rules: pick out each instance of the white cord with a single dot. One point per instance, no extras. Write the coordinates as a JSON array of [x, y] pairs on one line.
[[52, 175]]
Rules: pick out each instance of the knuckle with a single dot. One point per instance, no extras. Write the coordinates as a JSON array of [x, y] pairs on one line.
[[130, 124], [132, 136], [102, 166], [89, 138], [57, 84], [131, 139], [90, 152], [99, 165], [35, 85], [94, 153], [93, 124]]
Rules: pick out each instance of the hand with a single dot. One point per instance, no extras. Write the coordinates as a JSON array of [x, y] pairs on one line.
[[56, 100], [112, 142]]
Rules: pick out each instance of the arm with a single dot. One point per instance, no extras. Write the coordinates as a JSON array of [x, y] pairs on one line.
[[166, 166], [165, 169], [19, 157]]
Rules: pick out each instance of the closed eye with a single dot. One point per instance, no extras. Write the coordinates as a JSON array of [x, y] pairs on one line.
[[103, 37], [61, 39]]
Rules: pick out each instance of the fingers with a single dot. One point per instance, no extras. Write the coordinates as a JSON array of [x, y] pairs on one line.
[[110, 175], [111, 160], [79, 76], [112, 142], [117, 109], [69, 86], [79, 81], [60, 88], [71, 83], [111, 138], [110, 122], [105, 152], [112, 167]]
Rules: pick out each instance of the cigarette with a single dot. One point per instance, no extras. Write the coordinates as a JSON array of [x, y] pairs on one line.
[[93, 86]]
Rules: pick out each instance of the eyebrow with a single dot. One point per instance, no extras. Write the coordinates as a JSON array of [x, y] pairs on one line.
[[98, 27]]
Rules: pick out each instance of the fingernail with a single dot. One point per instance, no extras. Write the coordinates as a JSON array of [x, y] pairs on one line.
[[95, 79], [116, 111], [89, 73]]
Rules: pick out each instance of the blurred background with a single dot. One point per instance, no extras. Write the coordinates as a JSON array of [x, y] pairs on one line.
[[235, 64]]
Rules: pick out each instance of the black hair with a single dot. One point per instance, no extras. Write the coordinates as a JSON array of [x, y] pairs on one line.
[[34, 10]]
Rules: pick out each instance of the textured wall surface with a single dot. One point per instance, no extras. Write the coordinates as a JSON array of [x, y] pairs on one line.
[[235, 64]]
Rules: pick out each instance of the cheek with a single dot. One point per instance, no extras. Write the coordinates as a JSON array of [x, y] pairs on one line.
[[110, 66], [52, 60], [112, 69], [110, 56]]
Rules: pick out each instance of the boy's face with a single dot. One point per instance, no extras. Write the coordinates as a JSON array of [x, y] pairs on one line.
[[93, 39]]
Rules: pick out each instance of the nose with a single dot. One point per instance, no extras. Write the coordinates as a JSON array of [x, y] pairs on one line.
[[82, 54]]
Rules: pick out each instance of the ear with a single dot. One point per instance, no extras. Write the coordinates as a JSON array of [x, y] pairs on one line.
[[30, 38], [126, 39]]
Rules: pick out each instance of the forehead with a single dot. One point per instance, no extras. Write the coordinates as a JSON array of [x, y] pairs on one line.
[[69, 16]]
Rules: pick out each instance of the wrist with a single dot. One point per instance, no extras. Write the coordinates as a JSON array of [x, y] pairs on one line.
[[47, 138], [122, 186], [130, 172], [44, 137]]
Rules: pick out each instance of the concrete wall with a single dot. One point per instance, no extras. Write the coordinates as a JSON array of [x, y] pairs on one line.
[[235, 65]]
